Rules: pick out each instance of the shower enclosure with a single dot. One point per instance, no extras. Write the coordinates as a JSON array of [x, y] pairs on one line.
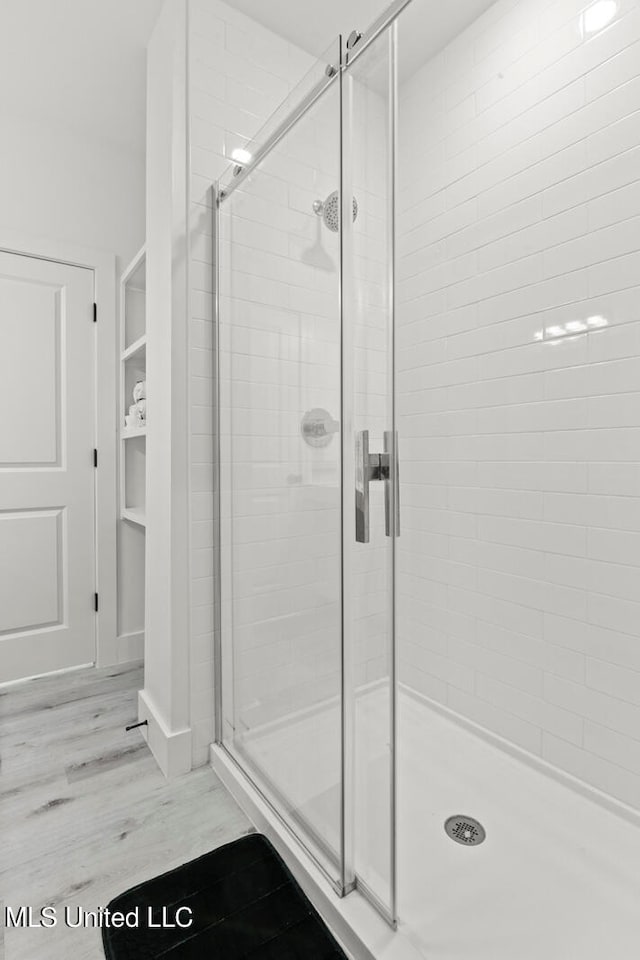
[[427, 510]]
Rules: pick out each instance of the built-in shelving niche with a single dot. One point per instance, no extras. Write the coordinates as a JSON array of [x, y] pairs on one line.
[[133, 367], [132, 449]]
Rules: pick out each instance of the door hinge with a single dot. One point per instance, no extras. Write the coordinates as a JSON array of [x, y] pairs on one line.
[[95, 313], [95, 602], [95, 456]]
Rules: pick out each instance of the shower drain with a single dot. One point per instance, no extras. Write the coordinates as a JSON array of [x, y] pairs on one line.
[[465, 830]]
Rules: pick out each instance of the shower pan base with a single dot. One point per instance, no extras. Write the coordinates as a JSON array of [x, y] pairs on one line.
[[556, 876]]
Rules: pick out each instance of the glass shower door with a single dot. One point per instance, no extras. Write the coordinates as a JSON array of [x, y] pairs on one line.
[[280, 477], [370, 507]]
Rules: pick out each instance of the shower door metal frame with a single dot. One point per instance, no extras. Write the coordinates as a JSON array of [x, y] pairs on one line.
[[347, 701], [348, 880], [217, 506]]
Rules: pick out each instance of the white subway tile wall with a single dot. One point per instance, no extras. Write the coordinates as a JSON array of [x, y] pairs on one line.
[[238, 75], [280, 359], [519, 383]]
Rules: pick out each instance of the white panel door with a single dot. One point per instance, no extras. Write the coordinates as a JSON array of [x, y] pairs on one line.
[[47, 429]]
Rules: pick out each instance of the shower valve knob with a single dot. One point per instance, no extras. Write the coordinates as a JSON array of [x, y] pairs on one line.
[[317, 427]]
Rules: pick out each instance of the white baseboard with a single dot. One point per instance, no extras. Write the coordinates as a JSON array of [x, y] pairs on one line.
[[41, 676], [171, 748], [130, 647]]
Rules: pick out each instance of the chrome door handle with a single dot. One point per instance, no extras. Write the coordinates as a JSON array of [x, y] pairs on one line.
[[365, 469], [376, 466], [392, 485]]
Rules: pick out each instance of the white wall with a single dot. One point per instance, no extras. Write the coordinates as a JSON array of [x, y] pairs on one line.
[[59, 185], [519, 212]]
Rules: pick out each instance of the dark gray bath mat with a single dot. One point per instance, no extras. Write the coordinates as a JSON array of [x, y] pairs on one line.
[[245, 905]]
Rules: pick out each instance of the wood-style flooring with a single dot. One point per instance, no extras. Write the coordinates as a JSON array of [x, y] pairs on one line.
[[85, 813]]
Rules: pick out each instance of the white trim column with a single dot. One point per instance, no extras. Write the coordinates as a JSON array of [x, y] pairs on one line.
[[165, 701]]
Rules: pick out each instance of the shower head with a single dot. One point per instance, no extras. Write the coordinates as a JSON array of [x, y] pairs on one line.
[[329, 210]]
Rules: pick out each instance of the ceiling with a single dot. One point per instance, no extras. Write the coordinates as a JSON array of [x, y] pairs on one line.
[[312, 24], [78, 63], [426, 26], [81, 63]]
